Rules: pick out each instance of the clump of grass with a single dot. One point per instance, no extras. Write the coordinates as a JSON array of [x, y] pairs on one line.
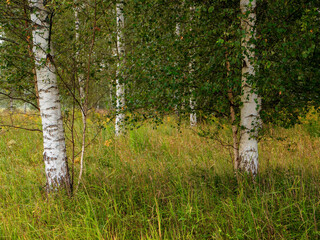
[[164, 184]]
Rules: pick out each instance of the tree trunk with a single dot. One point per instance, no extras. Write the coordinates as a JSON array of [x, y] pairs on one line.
[[80, 77], [193, 114], [11, 102], [25, 103], [192, 100], [177, 32], [250, 119], [54, 155], [85, 92], [120, 92]]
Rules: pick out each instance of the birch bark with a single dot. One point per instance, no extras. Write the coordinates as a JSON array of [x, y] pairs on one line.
[[54, 154], [177, 32], [80, 77], [81, 93], [120, 92], [192, 100], [250, 118]]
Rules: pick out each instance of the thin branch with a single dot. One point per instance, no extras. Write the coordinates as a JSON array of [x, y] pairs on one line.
[[8, 40], [20, 99], [17, 127]]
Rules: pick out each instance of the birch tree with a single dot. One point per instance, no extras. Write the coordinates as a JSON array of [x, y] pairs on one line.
[[192, 100], [80, 77], [251, 102], [83, 98], [120, 102], [54, 155], [177, 32]]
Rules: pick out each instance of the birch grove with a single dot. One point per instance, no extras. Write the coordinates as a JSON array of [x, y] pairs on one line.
[[197, 59], [54, 154], [250, 119]]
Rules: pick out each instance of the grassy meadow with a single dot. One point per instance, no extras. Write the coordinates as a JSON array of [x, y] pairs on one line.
[[164, 183]]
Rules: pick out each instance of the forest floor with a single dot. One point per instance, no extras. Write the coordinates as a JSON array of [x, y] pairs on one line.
[[164, 183]]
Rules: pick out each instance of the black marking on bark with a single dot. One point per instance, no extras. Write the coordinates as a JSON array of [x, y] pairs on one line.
[[48, 159], [43, 115], [51, 108], [244, 64], [53, 87], [49, 127]]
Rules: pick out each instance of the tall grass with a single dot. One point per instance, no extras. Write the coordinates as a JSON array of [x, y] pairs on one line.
[[164, 183]]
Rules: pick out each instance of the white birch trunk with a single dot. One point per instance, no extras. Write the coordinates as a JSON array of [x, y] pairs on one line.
[[177, 32], [77, 25], [192, 100], [193, 114], [25, 104], [11, 104], [81, 92], [250, 118], [80, 76], [54, 155], [120, 92]]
